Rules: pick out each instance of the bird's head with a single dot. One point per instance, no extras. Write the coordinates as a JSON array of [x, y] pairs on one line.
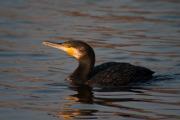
[[76, 49]]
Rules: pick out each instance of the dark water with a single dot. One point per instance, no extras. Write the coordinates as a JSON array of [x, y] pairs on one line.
[[142, 32]]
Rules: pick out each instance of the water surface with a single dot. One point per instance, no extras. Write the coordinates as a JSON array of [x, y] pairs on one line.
[[141, 32]]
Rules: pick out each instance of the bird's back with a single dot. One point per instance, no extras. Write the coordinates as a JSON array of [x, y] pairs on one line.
[[119, 74]]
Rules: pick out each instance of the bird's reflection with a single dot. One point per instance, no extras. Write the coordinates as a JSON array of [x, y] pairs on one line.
[[84, 95], [79, 105]]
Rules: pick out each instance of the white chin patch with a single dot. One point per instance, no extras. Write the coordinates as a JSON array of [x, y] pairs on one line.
[[77, 54]]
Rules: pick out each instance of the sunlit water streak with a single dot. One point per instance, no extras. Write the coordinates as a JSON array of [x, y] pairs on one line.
[[141, 32]]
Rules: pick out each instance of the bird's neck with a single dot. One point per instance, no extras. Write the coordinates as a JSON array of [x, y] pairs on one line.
[[83, 71]]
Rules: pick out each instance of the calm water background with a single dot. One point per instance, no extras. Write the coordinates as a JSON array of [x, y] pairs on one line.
[[142, 32]]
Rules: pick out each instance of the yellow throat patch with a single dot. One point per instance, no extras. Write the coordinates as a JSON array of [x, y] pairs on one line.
[[71, 51]]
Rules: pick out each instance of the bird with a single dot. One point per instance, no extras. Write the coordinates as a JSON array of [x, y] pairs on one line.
[[105, 74]]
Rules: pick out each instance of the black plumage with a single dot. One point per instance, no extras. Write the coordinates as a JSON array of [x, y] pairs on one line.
[[119, 74]]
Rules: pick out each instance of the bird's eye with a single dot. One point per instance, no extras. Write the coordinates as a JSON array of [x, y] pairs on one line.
[[67, 45]]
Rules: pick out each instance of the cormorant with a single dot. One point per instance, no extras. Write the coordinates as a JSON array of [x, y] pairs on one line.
[[106, 74]]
